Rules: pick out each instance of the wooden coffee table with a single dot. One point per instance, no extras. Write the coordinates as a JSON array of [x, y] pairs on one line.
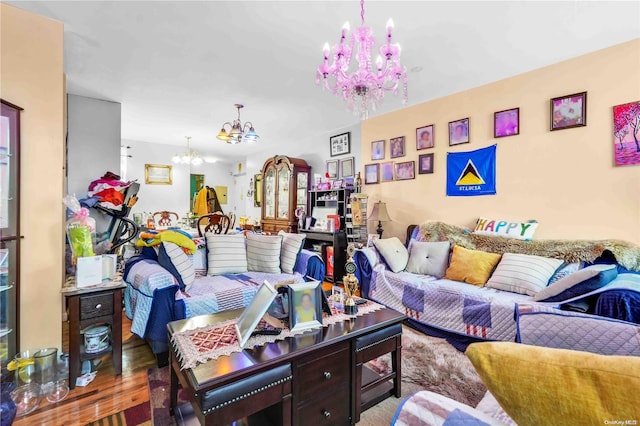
[[313, 378]]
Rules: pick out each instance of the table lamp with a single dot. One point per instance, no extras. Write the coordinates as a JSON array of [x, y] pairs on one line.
[[380, 214]]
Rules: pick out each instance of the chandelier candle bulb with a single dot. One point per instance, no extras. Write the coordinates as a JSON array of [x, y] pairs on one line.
[[389, 28]]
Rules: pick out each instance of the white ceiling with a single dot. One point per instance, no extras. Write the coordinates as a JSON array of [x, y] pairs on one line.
[[178, 67]]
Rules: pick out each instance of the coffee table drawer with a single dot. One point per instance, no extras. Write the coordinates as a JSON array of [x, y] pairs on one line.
[[96, 306], [331, 410], [322, 374]]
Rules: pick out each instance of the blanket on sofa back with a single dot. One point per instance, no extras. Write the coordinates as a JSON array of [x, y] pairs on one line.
[[626, 254]]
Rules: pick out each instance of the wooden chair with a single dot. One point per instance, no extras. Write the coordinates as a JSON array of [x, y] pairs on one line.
[[214, 222], [232, 219], [163, 219]]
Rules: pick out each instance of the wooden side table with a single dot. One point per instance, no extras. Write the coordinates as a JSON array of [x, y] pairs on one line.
[[86, 307]]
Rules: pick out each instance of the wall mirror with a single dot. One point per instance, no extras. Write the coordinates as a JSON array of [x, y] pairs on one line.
[[257, 190]]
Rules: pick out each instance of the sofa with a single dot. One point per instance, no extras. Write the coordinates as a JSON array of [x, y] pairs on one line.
[[174, 277], [467, 286]]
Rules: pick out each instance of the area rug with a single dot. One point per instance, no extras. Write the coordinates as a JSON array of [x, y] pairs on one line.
[[427, 363], [140, 415]]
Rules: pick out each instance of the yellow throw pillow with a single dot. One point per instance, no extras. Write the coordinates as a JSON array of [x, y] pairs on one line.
[[471, 266], [545, 386]]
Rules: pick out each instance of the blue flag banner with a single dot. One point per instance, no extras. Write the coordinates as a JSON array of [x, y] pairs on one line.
[[471, 173]]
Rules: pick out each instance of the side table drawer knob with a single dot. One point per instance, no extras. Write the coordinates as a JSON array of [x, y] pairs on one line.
[[99, 305], [326, 414], [327, 375]]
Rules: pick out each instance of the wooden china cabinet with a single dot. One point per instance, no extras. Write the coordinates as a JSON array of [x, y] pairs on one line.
[[285, 186]]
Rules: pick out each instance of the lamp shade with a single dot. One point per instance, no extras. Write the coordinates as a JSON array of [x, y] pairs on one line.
[[223, 136], [379, 212]]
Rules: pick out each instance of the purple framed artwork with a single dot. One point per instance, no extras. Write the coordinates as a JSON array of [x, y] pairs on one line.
[[506, 123], [377, 150], [569, 111], [425, 164], [626, 126], [424, 137], [386, 172], [459, 132], [398, 148], [371, 173], [406, 170]]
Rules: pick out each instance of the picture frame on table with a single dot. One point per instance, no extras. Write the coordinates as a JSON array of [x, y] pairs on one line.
[[332, 169], [337, 184], [377, 150], [569, 111], [340, 144], [425, 164], [424, 137], [398, 147], [405, 170], [506, 123], [305, 305], [371, 173], [347, 167], [386, 172], [459, 132]]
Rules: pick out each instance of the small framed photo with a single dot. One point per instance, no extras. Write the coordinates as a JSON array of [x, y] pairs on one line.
[[337, 297], [377, 150], [569, 111], [337, 184], [157, 174], [424, 137], [372, 238], [397, 147], [406, 170], [332, 168], [386, 172], [371, 173], [305, 305], [340, 144], [425, 164], [347, 167], [459, 132], [506, 123]]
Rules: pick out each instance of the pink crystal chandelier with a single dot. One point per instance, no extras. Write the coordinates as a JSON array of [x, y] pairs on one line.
[[363, 89]]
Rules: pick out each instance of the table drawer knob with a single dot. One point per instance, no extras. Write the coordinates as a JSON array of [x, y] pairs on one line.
[[326, 414], [99, 306], [327, 375]]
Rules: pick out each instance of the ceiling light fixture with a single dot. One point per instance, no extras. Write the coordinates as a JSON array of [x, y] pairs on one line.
[[238, 132], [189, 157], [363, 88]]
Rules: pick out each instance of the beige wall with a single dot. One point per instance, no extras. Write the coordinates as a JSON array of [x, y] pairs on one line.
[[32, 78], [564, 179]]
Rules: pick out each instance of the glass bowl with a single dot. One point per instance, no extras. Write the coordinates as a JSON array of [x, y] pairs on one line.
[[27, 398], [59, 391]]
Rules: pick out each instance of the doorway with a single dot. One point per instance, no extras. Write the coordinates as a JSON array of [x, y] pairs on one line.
[[197, 183]]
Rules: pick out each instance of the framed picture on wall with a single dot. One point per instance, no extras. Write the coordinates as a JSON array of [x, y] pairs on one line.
[[626, 123], [424, 137], [506, 123], [569, 111], [459, 132], [377, 150], [340, 144], [332, 169], [406, 170], [347, 167], [157, 174], [425, 164], [371, 173], [386, 172], [398, 148]]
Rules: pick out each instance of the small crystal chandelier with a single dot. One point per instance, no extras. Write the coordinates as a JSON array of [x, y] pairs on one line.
[[238, 132], [189, 157], [364, 88]]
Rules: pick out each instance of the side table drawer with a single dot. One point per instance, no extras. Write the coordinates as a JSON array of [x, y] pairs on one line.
[[332, 410], [323, 373], [96, 306]]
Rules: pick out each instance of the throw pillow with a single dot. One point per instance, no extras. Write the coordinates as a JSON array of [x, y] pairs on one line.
[[504, 228], [471, 266], [564, 271], [393, 252], [199, 258], [585, 280], [172, 258], [227, 254], [428, 258], [291, 246], [263, 253], [523, 273], [545, 386]]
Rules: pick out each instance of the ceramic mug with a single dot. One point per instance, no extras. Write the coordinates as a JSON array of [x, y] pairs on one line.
[[96, 339]]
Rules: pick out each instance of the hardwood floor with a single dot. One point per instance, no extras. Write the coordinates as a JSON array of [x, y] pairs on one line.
[[107, 394]]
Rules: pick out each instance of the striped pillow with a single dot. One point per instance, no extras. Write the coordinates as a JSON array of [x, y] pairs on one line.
[[263, 253], [172, 258], [291, 246], [523, 273], [227, 254]]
